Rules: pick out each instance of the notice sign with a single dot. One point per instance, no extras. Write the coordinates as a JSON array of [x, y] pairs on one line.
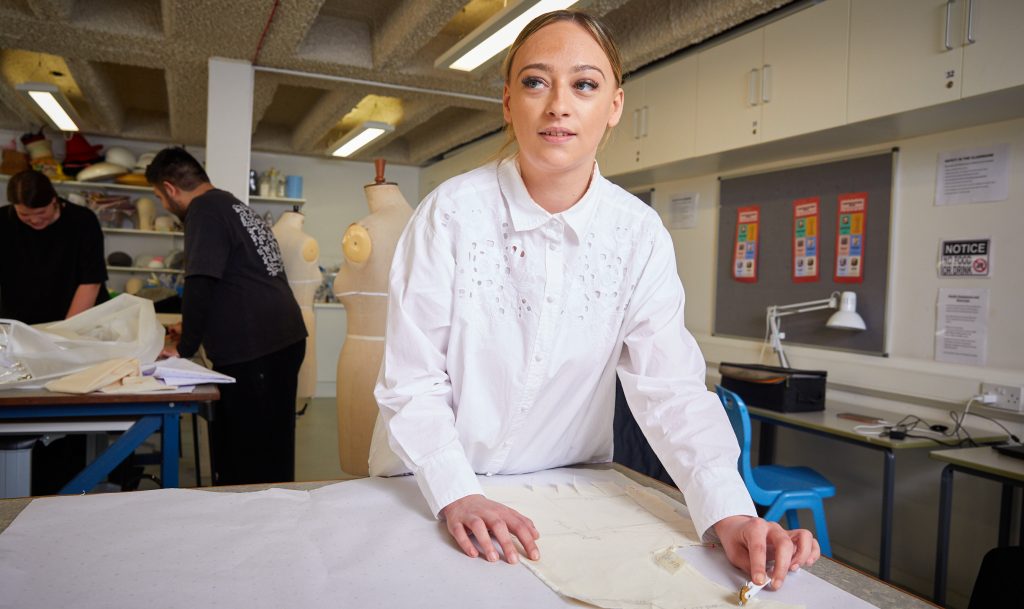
[[683, 211], [806, 214], [973, 176], [961, 327], [965, 258], [744, 253], [851, 224]]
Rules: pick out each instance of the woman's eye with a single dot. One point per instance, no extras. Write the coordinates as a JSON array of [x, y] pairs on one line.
[[531, 82], [586, 85]]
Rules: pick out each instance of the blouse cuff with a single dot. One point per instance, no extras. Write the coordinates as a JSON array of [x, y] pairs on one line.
[[716, 494], [447, 477]]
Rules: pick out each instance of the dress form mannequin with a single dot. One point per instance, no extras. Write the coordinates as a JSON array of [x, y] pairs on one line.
[[301, 255], [361, 285]]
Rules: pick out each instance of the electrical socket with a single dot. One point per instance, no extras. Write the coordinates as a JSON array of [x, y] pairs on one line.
[[1008, 397]]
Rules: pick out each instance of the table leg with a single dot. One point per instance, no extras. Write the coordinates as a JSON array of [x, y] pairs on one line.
[[1005, 509], [169, 448], [766, 444], [942, 545], [888, 493], [115, 453], [195, 448]]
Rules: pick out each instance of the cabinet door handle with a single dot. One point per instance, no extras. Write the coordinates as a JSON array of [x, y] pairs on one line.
[[766, 83], [970, 22], [643, 122], [945, 33], [636, 124], [752, 87]]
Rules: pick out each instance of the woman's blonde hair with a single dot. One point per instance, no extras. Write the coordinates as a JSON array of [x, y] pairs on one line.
[[592, 25]]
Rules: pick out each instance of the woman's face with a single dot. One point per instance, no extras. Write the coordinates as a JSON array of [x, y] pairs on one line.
[[560, 98], [38, 217]]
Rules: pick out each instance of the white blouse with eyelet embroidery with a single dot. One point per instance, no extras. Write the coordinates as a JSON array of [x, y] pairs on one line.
[[506, 327]]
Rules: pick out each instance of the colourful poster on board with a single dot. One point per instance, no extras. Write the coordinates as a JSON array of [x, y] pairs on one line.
[[806, 241], [851, 224], [744, 253]]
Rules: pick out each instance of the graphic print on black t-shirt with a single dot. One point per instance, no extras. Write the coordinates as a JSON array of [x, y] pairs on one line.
[[262, 238]]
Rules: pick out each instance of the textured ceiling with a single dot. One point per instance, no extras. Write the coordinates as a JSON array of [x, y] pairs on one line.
[[138, 68]]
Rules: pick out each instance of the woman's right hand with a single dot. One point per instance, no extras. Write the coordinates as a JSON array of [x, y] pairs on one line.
[[483, 518]]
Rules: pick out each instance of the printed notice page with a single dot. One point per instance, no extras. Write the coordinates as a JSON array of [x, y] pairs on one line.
[[973, 176], [961, 326]]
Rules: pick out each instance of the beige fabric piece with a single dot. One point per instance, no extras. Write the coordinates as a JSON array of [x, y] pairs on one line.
[[613, 545], [96, 377], [138, 384]]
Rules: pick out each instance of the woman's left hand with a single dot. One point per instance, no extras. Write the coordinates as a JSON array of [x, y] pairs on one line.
[[750, 543]]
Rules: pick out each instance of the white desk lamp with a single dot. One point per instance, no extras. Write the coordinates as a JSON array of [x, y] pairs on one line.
[[846, 318]]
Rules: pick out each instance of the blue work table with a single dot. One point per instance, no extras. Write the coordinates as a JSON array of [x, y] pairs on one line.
[[153, 412]]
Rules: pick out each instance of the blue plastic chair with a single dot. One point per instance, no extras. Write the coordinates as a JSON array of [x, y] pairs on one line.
[[783, 489]]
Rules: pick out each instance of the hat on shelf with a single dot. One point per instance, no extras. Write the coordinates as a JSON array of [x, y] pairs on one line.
[[101, 171], [79, 154], [119, 155], [144, 160], [119, 259]]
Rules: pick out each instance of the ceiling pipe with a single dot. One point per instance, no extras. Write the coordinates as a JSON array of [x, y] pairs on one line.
[[381, 85]]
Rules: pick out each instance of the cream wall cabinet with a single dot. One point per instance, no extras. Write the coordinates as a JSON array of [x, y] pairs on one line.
[[621, 153], [904, 55], [993, 45], [784, 79], [657, 122], [916, 53], [804, 77], [669, 113]]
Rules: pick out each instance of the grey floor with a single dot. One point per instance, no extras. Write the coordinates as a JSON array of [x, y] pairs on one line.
[[316, 447]]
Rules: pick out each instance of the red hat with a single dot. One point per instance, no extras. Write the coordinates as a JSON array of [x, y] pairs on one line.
[[78, 150]]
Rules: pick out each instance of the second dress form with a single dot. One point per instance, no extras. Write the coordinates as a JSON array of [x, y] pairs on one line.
[[362, 286], [301, 255]]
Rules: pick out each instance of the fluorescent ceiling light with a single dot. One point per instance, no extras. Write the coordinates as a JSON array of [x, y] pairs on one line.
[[359, 137], [52, 102], [496, 34]]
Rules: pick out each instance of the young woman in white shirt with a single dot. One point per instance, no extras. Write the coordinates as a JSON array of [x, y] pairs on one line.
[[519, 290]]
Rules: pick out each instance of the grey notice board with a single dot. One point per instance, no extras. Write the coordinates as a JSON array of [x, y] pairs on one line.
[[740, 306]]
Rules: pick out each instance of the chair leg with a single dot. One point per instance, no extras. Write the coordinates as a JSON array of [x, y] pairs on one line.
[[792, 520], [821, 529]]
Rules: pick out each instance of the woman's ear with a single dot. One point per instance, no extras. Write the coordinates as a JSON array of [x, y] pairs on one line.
[[505, 109], [617, 101]]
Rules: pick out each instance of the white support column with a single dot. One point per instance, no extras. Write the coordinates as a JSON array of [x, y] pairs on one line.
[[229, 125]]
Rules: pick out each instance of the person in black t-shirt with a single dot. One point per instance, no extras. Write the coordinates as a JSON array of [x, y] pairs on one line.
[[51, 267], [237, 303], [51, 254]]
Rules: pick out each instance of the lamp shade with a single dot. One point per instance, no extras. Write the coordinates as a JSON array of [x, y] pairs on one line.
[[847, 318]]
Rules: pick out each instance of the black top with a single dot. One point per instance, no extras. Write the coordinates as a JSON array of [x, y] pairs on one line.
[[41, 269], [251, 311]]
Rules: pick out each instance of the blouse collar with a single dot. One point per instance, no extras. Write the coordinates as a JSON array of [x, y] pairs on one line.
[[526, 214]]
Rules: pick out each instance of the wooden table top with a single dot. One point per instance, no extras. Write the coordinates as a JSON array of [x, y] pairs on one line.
[[41, 397]]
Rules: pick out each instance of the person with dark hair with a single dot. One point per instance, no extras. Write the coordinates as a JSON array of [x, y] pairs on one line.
[[51, 253], [51, 268], [238, 304]]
